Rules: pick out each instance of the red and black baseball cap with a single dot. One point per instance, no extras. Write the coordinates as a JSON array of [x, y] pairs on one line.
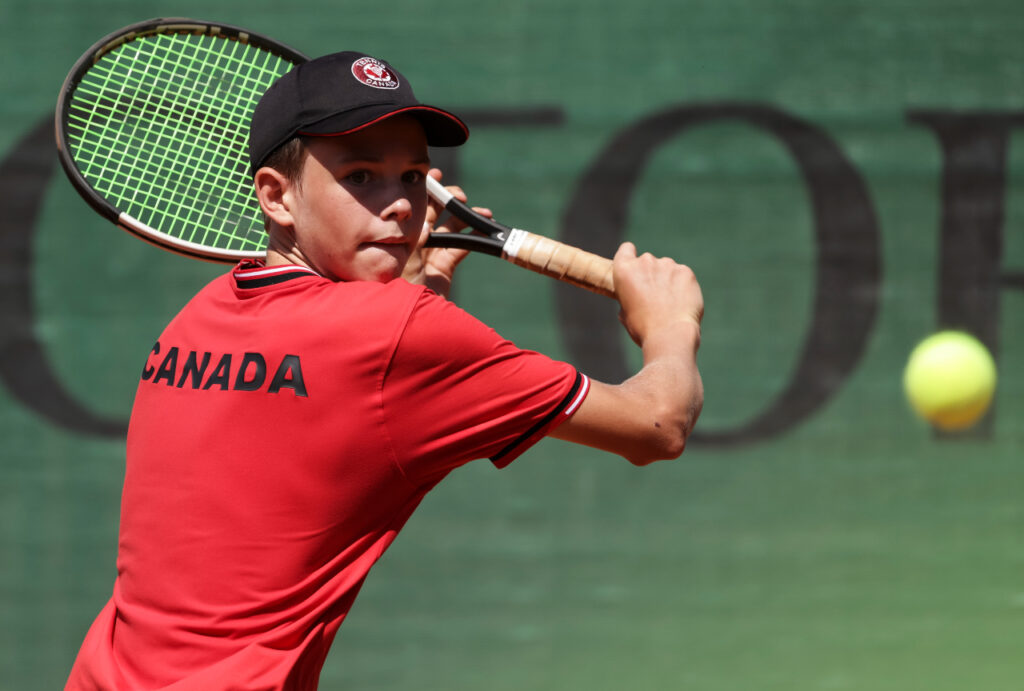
[[338, 94]]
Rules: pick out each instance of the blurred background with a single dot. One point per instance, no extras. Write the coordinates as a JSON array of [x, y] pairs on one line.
[[845, 177]]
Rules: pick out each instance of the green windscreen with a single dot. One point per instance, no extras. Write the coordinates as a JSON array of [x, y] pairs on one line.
[[773, 147], [159, 127]]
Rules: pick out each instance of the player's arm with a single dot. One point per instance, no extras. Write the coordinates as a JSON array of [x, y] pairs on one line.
[[649, 416]]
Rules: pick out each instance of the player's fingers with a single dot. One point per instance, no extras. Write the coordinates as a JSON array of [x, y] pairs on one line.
[[627, 250], [451, 255], [431, 217], [451, 224]]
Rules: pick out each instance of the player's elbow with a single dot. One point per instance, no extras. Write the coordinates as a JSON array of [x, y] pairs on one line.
[[665, 439], [664, 415], [662, 448]]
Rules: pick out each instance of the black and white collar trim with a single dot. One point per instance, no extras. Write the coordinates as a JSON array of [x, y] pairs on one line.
[[254, 274]]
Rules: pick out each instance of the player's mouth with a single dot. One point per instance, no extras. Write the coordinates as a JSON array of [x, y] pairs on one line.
[[397, 240], [395, 246]]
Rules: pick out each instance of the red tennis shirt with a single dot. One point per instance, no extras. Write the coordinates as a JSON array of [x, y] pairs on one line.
[[284, 429]]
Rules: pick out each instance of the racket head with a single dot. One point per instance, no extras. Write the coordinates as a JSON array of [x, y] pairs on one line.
[[152, 131]]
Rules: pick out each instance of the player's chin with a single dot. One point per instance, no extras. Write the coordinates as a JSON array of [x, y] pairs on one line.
[[383, 262]]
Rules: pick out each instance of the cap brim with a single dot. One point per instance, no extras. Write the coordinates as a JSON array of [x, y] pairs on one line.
[[441, 127]]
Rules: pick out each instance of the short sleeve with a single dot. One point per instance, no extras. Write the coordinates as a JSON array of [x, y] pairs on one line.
[[456, 391]]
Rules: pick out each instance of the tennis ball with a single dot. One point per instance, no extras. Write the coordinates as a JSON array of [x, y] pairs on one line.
[[950, 379]]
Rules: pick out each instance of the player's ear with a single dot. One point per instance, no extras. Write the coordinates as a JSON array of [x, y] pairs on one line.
[[274, 193]]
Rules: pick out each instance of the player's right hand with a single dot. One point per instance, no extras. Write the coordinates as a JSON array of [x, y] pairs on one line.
[[655, 294]]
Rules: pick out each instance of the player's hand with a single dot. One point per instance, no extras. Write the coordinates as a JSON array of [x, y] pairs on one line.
[[435, 267], [655, 294]]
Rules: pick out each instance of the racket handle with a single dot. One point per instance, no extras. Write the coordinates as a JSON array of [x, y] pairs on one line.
[[560, 261]]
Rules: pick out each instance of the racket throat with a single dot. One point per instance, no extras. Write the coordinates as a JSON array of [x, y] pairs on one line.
[[512, 242]]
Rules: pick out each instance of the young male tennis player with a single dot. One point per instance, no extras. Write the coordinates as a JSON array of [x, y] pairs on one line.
[[293, 415]]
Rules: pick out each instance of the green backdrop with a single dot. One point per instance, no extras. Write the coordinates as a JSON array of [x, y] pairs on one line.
[[848, 181]]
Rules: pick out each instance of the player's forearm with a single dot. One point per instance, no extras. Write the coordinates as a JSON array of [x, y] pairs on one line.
[[649, 416], [668, 391]]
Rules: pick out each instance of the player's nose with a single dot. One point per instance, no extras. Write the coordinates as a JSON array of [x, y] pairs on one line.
[[399, 209]]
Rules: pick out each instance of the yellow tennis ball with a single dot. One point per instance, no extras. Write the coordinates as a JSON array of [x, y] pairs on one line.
[[950, 379]]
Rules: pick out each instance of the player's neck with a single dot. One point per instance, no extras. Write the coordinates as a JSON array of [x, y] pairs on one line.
[[278, 257]]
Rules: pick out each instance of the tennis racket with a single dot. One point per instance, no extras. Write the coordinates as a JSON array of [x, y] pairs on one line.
[[152, 128]]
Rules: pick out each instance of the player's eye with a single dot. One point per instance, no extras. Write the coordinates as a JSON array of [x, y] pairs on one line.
[[358, 177], [413, 177]]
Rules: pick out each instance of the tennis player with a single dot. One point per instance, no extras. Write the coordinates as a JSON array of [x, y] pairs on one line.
[[293, 415]]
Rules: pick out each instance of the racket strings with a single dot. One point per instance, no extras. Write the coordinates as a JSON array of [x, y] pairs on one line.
[[159, 126], [137, 126]]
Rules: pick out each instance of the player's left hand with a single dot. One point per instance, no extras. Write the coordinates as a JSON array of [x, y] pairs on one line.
[[435, 267]]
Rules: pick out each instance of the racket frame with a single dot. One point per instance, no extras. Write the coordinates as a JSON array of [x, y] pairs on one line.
[[531, 251], [522, 248], [495, 236], [150, 27]]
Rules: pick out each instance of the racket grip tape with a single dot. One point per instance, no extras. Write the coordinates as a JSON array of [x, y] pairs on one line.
[[560, 261]]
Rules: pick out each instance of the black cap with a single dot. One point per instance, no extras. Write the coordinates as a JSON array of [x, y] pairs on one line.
[[337, 94]]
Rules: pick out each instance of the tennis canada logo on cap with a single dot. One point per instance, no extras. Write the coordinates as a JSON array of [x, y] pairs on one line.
[[375, 73]]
